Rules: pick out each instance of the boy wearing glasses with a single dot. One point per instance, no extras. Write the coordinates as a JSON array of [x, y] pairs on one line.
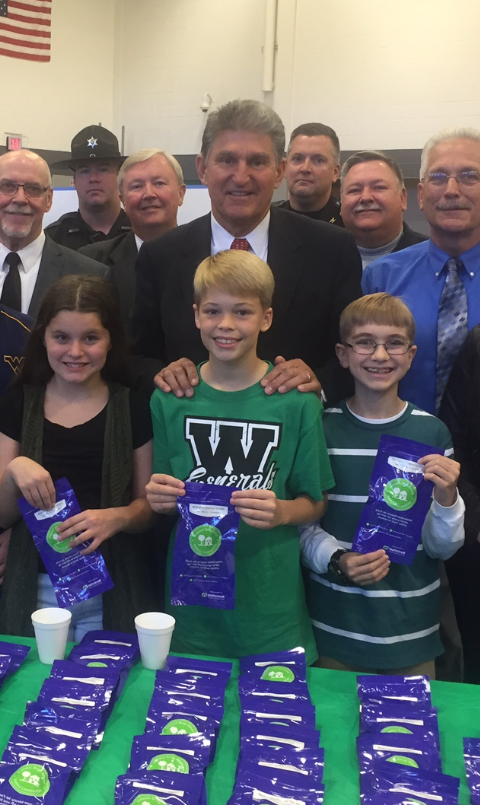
[[370, 615]]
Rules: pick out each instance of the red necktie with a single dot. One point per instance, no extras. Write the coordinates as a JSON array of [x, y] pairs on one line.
[[241, 244]]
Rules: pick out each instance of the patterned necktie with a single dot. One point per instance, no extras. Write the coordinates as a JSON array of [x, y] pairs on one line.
[[240, 243], [12, 287], [452, 324]]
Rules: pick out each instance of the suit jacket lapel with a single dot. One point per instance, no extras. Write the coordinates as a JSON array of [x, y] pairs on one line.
[[196, 246], [284, 260], [50, 270]]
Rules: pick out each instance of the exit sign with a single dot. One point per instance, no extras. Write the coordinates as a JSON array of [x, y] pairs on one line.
[[14, 143]]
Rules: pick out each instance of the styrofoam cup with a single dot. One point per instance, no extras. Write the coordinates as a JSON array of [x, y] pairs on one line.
[[154, 631], [51, 632]]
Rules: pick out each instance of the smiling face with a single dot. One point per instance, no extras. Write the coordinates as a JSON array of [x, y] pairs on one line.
[[77, 346], [241, 174], [96, 185], [21, 217], [310, 172], [378, 372], [151, 195], [229, 326], [373, 203], [452, 210]]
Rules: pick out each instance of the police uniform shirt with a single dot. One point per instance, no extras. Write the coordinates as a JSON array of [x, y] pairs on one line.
[[73, 232], [330, 213]]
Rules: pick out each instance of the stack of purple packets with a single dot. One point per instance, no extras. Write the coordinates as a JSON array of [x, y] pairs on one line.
[[45, 755], [398, 746], [169, 761], [280, 759], [471, 751]]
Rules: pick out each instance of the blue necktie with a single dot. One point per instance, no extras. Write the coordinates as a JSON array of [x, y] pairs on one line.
[[452, 324]]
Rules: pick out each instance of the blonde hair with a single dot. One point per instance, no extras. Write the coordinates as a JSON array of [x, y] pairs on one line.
[[376, 308], [238, 273]]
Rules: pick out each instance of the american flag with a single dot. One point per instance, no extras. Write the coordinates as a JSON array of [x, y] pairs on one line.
[[25, 29]]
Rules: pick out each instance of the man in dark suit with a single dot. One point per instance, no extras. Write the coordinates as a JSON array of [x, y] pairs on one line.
[[29, 262], [374, 199], [151, 189], [316, 266]]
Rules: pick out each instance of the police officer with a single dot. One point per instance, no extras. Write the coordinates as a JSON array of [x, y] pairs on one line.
[[95, 161]]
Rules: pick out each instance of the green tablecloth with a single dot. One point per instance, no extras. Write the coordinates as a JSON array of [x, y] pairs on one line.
[[333, 693]]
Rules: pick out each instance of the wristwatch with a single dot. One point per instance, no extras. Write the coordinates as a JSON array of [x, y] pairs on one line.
[[334, 570]]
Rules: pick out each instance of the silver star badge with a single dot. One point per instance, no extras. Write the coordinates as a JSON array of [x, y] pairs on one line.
[[91, 142]]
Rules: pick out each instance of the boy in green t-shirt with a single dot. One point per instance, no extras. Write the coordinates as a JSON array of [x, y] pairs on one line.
[[369, 614], [270, 447]]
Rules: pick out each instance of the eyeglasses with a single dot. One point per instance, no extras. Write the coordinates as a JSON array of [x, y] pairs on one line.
[[464, 178], [365, 346], [32, 190]]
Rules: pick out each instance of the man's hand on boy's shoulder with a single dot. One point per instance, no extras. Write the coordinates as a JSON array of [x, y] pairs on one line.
[[180, 378], [444, 473], [364, 568]]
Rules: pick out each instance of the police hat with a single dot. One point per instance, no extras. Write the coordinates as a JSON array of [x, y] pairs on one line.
[[93, 142]]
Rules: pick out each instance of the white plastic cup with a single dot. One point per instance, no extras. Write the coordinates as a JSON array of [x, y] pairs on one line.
[[51, 632], [154, 630]]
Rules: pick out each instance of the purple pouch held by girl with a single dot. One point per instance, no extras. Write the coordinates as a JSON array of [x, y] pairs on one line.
[[203, 569], [398, 500], [75, 577]]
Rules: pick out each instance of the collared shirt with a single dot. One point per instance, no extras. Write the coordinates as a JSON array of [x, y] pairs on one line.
[[416, 275], [30, 258], [258, 238], [138, 241]]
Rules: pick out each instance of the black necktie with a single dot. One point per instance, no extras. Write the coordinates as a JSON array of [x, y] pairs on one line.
[[12, 288]]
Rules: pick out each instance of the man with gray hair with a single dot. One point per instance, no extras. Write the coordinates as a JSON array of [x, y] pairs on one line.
[[374, 199], [440, 278], [313, 165], [316, 266], [151, 188]]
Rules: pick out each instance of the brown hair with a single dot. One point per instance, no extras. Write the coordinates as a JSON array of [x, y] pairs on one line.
[[238, 273], [376, 308], [84, 294]]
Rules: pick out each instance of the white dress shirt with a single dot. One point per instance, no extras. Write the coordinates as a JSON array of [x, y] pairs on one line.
[[258, 238], [30, 258]]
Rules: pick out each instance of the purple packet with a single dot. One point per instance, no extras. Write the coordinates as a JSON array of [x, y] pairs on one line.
[[33, 782], [52, 743], [404, 750], [114, 651], [279, 666], [414, 690], [388, 718], [79, 697], [270, 704], [42, 714], [471, 751], [251, 690], [191, 669], [5, 663], [401, 784], [300, 719], [180, 753], [73, 672], [75, 577], [159, 788], [17, 652], [203, 569], [254, 788], [206, 694], [282, 738], [200, 703], [162, 720], [398, 500], [284, 765]]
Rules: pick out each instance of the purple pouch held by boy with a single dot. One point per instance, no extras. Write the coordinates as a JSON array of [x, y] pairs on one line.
[[203, 569], [398, 500], [75, 577]]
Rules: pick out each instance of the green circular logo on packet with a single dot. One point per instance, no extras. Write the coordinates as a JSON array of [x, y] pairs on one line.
[[400, 494], [30, 780], [415, 801], [148, 799], [278, 673], [403, 761], [179, 726], [54, 542], [97, 665], [205, 540], [169, 763], [397, 729]]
